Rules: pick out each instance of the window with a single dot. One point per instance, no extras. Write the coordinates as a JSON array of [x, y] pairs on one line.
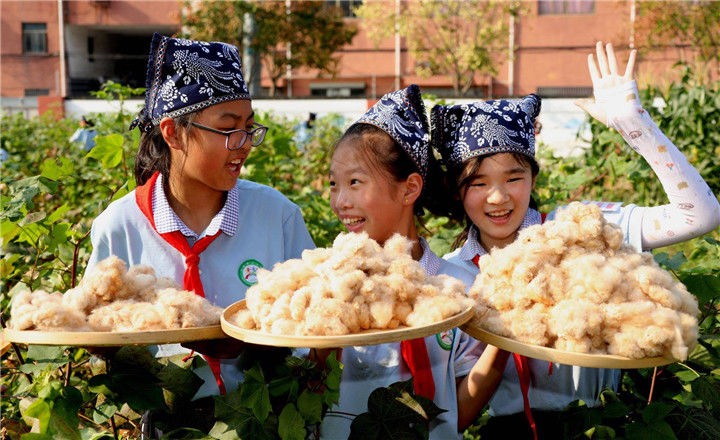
[[37, 92], [564, 92], [546, 7], [91, 49], [34, 37], [337, 90], [347, 6]]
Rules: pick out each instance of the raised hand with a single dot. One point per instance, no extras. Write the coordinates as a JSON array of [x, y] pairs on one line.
[[606, 82]]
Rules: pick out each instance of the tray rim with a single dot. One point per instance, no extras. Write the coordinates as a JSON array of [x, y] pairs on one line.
[[113, 339], [472, 328], [367, 337]]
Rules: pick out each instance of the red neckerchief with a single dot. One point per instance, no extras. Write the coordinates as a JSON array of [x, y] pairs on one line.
[[415, 355], [191, 279], [522, 367]]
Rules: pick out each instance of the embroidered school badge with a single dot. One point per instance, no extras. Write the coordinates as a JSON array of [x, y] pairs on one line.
[[446, 339], [248, 271]]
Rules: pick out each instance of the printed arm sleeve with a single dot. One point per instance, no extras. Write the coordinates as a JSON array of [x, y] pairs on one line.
[[693, 209]]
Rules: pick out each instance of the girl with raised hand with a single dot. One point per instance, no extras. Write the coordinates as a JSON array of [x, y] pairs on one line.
[[190, 218], [489, 149], [380, 179]]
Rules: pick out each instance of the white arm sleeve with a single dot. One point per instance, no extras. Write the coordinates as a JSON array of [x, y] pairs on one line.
[[693, 209]]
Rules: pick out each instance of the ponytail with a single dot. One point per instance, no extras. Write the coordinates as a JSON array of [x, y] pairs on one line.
[[153, 153]]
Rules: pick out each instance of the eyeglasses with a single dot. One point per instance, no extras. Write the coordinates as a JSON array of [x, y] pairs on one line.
[[235, 139]]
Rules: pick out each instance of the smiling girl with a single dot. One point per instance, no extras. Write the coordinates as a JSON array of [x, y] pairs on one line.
[[490, 151], [379, 182], [190, 218]]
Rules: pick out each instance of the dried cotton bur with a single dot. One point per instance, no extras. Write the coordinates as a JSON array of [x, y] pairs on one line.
[[112, 298], [355, 285], [572, 284]]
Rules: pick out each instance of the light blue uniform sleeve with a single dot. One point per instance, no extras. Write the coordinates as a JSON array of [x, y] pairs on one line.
[[296, 236]]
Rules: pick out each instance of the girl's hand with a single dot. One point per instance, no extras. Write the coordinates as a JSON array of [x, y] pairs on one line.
[[608, 84]]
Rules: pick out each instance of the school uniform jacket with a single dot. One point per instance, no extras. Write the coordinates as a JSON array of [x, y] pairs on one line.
[[452, 355], [268, 229]]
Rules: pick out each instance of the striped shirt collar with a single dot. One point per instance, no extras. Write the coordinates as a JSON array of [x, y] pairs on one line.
[[429, 261], [167, 221], [473, 247]]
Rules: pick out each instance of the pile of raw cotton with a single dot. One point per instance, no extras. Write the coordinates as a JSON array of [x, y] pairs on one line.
[[355, 285], [112, 298], [573, 285]]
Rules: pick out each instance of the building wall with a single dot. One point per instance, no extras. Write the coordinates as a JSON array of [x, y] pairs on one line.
[[551, 50], [32, 71]]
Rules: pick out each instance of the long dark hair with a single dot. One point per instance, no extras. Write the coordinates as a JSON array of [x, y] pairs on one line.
[[459, 178], [154, 153], [386, 155]]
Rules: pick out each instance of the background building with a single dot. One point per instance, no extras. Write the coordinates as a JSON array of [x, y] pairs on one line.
[[68, 48]]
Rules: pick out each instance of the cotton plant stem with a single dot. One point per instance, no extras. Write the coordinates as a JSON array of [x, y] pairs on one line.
[[652, 385]]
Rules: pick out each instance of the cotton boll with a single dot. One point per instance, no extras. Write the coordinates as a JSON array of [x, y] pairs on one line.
[[345, 286], [243, 319], [381, 312], [107, 280], [582, 345], [299, 302], [183, 309], [80, 299], [362, 311], [284, 326], [529, 325], [313, 257], [140, 282], [398, 245], [165, 282]]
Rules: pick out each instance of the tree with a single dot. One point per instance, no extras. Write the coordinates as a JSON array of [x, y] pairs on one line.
[[313, 31], [684, 25], [454, 38]]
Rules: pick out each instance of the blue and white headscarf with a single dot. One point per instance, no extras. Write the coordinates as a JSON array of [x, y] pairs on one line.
[[460, 132], [401, 114], [184, 76]]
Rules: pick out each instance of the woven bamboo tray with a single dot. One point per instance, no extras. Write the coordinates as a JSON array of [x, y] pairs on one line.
[[473, 329], [368, 337], [112, 339]]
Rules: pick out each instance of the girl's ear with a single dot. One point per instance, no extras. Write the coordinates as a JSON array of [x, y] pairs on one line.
[[170, 133], [413, 188], [534, 179]]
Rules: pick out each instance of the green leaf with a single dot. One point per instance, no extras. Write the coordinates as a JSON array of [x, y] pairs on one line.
[[656, 412], [91, 434], [55, 168], [102, 384], [58, 213], [103, 412], [310, 406], [40, 410], [704, 287], [186, 434], [108, 150], [254, 393], [365, 427], [291, 425]]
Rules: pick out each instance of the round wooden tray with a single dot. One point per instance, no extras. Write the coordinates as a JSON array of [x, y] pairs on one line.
[[111, 339], [473, 329], [367, 337]]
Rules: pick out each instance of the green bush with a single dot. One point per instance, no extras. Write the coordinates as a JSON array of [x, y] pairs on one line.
[[51, 190]]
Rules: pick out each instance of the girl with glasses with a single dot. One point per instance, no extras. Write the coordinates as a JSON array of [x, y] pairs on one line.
[[191, 218]]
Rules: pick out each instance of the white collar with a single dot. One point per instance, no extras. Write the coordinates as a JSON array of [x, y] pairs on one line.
[[166, 220], [472, 246]]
